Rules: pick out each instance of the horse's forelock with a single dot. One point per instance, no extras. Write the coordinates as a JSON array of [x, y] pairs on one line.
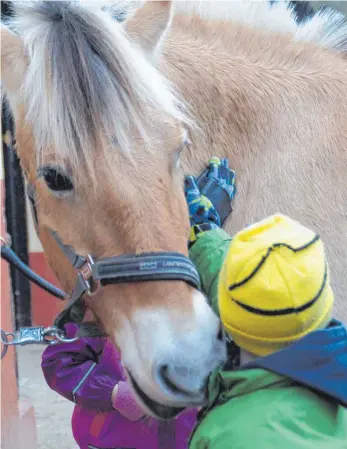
[[86, 82]]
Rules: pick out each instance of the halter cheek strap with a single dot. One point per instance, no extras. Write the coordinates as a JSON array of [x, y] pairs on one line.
[[128, 268]]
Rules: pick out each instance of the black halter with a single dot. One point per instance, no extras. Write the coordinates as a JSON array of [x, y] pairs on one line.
[[92, 274]]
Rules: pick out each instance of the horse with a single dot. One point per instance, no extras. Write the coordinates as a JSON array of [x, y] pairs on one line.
[[109, 117]]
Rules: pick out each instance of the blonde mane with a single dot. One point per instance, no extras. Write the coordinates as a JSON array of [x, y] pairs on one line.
[[86, 83], [327, 27]]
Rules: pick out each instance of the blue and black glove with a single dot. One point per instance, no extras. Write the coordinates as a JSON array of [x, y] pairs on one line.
[[209, 197]]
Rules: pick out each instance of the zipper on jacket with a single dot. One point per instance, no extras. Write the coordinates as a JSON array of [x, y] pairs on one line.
[[81, 382]]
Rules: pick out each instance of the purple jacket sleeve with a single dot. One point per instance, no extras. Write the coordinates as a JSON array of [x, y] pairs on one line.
[[85, 371]]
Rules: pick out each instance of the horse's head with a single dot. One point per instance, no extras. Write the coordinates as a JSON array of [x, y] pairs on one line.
[[99, 134]]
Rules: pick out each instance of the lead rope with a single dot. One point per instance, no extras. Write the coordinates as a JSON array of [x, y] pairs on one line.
[[35, 334], [11, 257]]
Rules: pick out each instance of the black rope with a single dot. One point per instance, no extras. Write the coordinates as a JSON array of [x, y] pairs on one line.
[[11, 257]]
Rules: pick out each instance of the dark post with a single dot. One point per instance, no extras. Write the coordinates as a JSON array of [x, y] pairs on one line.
[[15, 208]]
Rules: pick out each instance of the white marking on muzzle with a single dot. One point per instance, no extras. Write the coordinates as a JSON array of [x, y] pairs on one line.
[[185, 342]]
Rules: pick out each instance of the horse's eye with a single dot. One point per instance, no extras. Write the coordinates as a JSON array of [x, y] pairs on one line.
[[56, 180]]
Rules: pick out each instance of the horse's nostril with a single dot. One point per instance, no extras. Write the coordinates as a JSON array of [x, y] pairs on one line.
[[178, 381], [164, 373]]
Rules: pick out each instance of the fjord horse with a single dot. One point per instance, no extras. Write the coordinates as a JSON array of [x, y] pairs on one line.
[[108, 117]]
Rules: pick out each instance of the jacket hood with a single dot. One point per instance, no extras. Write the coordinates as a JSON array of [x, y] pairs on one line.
[[318, 361]]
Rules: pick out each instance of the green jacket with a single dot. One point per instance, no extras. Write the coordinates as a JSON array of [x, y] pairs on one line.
[[208, 254], [256, 408]]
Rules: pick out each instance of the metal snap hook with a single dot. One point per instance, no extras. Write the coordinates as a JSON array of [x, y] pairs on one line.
[[57, 335], [6, 241], [33, 335], [4, 342]]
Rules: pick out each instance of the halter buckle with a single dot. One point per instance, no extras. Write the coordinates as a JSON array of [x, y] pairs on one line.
[[87, 273]]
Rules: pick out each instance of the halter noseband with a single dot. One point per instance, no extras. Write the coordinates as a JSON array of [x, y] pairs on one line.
[[93, 275]]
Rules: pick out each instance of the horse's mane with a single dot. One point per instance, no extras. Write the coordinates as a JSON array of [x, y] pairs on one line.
[[86, 81], [326, 27]]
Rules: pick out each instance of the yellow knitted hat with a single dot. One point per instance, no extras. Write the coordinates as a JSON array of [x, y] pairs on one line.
[[274, 285]]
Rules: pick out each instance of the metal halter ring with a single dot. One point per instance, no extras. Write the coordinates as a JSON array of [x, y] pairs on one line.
[[87, 273]]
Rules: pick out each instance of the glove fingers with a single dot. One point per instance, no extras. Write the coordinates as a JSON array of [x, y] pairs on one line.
[[214, 168], [190, 183], [231, 187], [191, 190], [228, 177], [224, 163], [215, 160], [213, 172], [225, 171], [209, 197], [231, 178]]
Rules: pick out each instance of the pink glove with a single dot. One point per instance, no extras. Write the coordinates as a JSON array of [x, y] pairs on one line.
[[123, 400]]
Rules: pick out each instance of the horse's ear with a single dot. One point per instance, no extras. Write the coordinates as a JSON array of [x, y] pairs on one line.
[[13, 61], [149, 25]]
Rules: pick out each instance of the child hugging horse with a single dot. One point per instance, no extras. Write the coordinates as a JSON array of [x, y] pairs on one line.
[[285, 383]]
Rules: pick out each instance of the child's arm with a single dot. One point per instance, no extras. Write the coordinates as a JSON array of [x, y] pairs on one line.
[[88, 372], [209, 203], [208, 253]]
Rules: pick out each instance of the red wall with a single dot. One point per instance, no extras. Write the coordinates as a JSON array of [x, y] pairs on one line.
[[44, 307]]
